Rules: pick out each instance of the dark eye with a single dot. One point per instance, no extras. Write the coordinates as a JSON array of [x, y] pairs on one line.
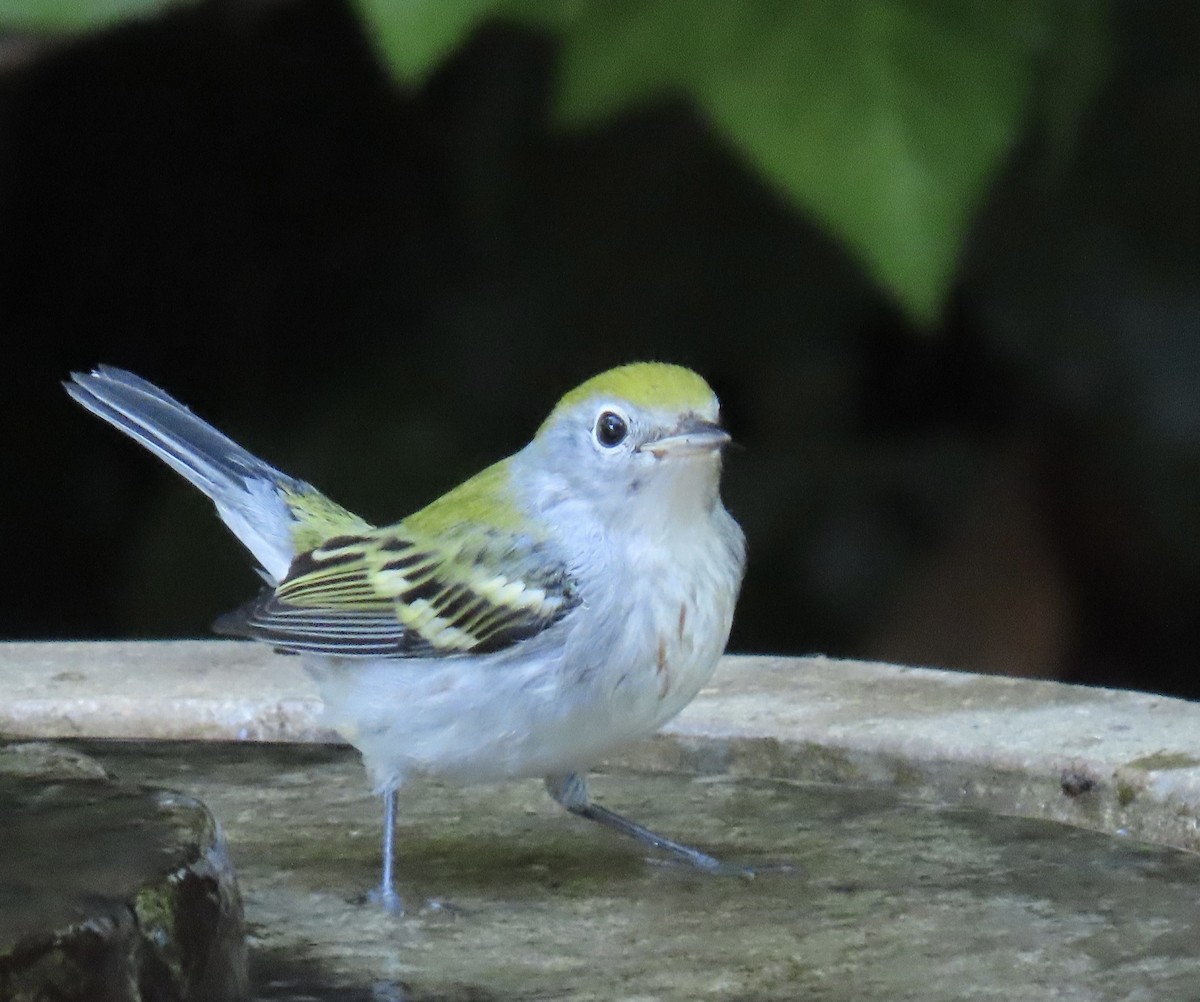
[[611, 429]]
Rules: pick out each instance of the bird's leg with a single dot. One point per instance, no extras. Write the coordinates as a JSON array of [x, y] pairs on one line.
[[571, 791], [386, 895]]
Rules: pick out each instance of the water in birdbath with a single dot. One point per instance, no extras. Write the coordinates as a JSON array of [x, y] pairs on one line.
[[859, 895]]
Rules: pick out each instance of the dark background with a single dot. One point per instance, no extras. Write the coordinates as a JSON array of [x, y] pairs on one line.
[[381, 290]]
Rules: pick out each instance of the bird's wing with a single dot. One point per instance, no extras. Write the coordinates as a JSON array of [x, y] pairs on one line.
[[397, 592]]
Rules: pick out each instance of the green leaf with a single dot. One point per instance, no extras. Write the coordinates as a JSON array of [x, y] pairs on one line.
[[885, 119], [415, 35], [71, 15]]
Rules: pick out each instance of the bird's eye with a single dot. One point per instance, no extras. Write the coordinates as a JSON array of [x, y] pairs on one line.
[[611, 429]]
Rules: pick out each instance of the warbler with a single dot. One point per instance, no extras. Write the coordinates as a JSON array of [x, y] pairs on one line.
[[559, 604]]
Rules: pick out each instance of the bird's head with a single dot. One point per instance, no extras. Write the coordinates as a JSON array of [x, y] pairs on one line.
[[639, 444]]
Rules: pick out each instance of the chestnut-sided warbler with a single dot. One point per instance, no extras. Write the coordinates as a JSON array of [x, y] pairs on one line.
[[561, 603]]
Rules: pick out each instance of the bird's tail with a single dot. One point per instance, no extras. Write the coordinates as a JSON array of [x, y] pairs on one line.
[[271, 513]]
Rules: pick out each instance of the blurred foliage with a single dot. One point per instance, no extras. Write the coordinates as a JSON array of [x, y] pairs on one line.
[[884, 119], [70, 15], [415, 36]]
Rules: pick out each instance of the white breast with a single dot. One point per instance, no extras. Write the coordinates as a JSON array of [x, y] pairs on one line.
[[668, 623]]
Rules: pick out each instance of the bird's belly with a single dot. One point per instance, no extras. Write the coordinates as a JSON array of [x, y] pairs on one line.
[[469, 722], [553, 704], [475, 721]]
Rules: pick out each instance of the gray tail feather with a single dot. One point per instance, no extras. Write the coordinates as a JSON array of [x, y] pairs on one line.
[[190, 446]]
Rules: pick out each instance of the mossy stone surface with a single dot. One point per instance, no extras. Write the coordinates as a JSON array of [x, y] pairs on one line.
[[110, 891], [861, 895]]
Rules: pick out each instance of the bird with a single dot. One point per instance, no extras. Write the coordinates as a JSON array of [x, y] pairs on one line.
[[559, 604]]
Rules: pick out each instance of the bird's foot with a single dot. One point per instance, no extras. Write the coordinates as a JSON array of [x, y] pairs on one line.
[[385, 898]]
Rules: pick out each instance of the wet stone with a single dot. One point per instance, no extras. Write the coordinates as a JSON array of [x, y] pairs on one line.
[[110, 892], [860, 896]]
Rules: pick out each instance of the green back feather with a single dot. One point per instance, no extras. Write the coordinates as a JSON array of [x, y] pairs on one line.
[[315, 517], [485, 500]]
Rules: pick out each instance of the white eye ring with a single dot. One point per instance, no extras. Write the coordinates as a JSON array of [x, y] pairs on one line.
[[612, 428]]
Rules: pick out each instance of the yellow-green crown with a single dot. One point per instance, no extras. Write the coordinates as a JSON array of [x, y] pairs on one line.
[[643, 384]]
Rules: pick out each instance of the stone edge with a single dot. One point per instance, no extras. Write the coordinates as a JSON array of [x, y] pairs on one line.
[[1125, 763]]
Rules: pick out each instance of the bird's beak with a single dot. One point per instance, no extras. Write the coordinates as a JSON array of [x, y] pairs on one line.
[[693, 437]]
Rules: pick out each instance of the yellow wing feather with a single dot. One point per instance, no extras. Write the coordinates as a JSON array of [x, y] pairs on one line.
[[455, 578]]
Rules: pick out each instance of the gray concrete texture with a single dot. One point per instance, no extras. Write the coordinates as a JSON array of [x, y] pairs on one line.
[[1116, 761]]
